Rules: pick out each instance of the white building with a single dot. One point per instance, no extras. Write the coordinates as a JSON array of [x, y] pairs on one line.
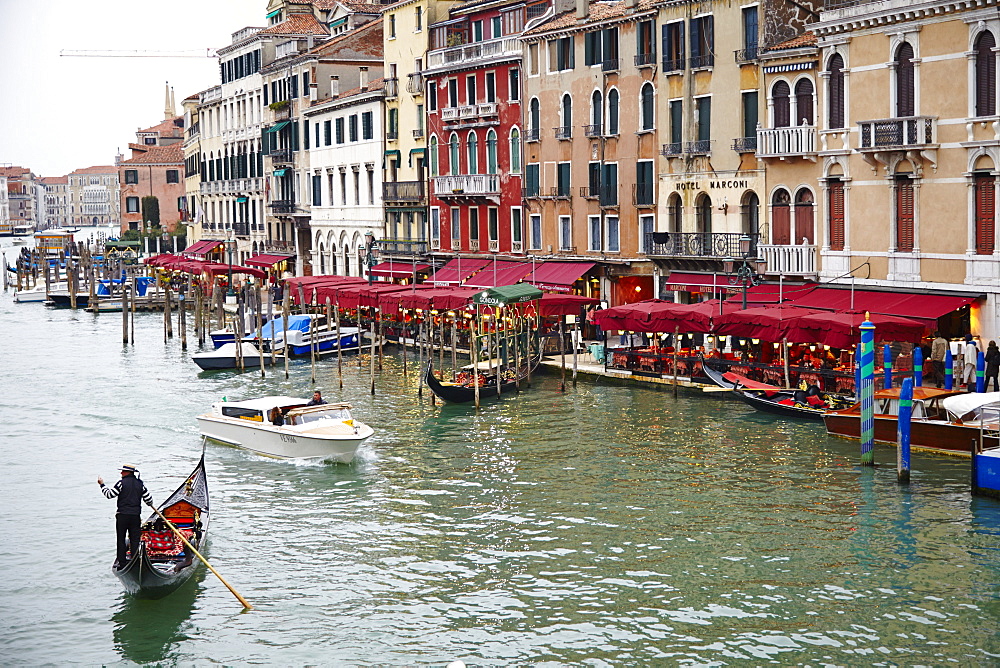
[[5, 227], [345, 176]]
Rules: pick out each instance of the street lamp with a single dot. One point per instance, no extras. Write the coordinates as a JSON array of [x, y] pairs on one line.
[[749, 271], [371, 253], [230, 247]]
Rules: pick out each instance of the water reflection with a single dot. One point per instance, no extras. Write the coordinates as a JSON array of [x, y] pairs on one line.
[[147, 630]]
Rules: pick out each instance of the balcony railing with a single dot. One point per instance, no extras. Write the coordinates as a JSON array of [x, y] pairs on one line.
[[391, 135], [560, 192], [789, 260], [241, 229], [699, 147], [391, 88], [745, 144], [403, 191], [532, 134], [487, 109], [473, 244], [643, 194], [281, 156], [672, 149], [282, 206], [590, 192], [418, 133], [564, 132], [608, 195], [592, 130], [403, 246], [672, 64], [704, 60], [415, 83], [477, 51], [611, 65], [749, 55], [516, 246], [786, 142], [645, 59], [466, 184], [279, 246], [697, 244], [494, 245], [469, 112], [911, 131]]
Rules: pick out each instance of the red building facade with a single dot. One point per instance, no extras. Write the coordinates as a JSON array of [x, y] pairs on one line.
[[474, 145]]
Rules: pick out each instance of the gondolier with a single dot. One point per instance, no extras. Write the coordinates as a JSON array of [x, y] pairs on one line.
[[131, 493]]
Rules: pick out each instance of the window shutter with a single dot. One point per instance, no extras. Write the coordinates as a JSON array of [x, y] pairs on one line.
[[904, 81], [709, 38], [782, 105], [904, 215], [985, 188], [836, 118], [804, 102], [985, 75]]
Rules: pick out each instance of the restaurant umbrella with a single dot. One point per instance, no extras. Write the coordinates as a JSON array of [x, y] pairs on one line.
[[840, 329], [762, 322]]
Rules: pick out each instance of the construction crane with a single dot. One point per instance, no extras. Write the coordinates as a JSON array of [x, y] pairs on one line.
[[139, 53]]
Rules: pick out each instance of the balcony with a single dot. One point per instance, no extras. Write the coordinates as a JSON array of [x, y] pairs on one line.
[[702, 61], [699, 147], [645, 60], [280, 206], [516, 246], [789, 260], [467, 185], [611, 65], [415, 83], [391, 88], [281, 156], [279, 247], [671, 150], [696, 244], [403, 247], [590, 192], [643, 194], [494, 245], [474, 244], [673, 64], [532, 134], [608, 196], [283, 111], [786, 142], [391, 135], [592, 130], [466, 54], [403, 191], [898, 133], [418, 133], [241, 229], [745, 144], [560, 192], [531, 192], [564, 132], [746, 56]]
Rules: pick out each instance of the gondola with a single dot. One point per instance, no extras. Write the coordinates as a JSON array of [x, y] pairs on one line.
[[162, 562], [456, 393], [808, 404]]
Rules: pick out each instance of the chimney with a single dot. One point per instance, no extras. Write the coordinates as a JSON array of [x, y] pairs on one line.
[[362, 77], [582, 8], [334, 85]]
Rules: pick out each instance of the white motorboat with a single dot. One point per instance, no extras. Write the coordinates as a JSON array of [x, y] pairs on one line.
[[37, 293], [224, 357], [326, 432]]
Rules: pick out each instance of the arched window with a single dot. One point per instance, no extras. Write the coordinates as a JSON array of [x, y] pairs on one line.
[[804, 102], [703, 222], [904, 81], [434, 155], [675, 212], [567, 115], [453, 154], [333, 258], [804, 207], [781, 218], [613, 100], [646, 108], [985, 193], [534, 117], [596, 112], [781, 104], [491, 152], [750, 214], [322, 258], [986, 75], [835, 82], [515, 151], [472, 152]]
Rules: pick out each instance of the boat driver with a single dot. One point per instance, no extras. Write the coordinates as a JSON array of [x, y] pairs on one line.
[[131, 493], [317, 399]]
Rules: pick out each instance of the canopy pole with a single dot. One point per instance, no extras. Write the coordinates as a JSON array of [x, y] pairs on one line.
[[498, 318], [372, 364], [676, 342], [454, 346], [441, 318], [381, 336], [475, 356], [430, 353], [286, 308], [237, 329], [575, 337], [402, 339], [270, 320], [784, 354], [259, 297], [340, 348], [517, 351], [312, 349], [418, 343], [562, 352]]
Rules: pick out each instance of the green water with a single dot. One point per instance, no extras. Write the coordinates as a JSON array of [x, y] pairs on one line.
[[611, 525]]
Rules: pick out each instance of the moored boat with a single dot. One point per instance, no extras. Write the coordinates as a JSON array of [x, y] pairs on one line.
[[463, 390], [308, 333], [225, 357], [809, 403], [326, 432], [944, 421], [162, 562]]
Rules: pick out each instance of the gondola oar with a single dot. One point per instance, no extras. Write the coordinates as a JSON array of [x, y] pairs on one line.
[[170, 524]]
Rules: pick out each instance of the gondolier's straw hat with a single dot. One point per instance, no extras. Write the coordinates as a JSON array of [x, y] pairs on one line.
[[129, 468]]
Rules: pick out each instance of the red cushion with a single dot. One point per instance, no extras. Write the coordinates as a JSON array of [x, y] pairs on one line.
[[815, 401]]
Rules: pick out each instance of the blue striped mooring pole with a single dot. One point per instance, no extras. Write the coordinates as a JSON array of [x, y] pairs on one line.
[[918, 367], [980, 372], [887, 365], [867, 394], [857, 372], [949, 370], [903, 432]]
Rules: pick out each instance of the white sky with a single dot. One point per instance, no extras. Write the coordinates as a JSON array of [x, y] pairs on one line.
[[59, 113]]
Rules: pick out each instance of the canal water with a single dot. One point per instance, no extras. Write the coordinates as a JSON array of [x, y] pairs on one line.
[[610, 525]]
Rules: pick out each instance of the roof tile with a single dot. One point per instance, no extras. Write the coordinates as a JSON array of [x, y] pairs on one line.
[[298, 24]]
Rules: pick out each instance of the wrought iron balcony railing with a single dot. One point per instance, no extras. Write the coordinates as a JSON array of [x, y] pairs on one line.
[[391, 88], [672, 149], [532, 134], [748, 55], [704, 60], [281, 156], [241, 229], [673, 64], [611, 65], [592, 130], [904, 132], [403, 191], [282, 206], [412, 247], [745, 144], [564, 132], [645, 59], [698, 244]]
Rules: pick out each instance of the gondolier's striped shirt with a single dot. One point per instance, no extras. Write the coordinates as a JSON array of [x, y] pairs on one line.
[[129, 501]]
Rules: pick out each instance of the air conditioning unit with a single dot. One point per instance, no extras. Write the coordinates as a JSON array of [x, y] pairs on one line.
[[550, 248]]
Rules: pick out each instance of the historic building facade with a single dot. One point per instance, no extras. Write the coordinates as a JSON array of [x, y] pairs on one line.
[[94, 198], [154, 170], [58, 210]]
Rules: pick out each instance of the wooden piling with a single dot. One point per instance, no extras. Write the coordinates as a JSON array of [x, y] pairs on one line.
[[454, 346], [374, 336], [124, 314], [475, 357], [576, 340], [419, 343], [286, 310], [677, 345], [182, 319], [340, 350], [562, 352], [260, 327]]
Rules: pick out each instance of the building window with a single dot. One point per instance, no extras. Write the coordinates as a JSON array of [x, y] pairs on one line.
[[703, 114], [835, 208], [647, 225], [609, 184], [534, 119], [750, 115], [453, 154], [433, 147], [781, 218], [676, 122], [592, 48], [317, 189], [367, 125], [835, 84], [491, 87], [131, 176], [472, 152], [392, 26], [516, 227], [533, 59], [647, 107], [986, 75], [804, 102], [904, 81], [673, 46], [804, 216], [456, 226], [339, 124], [536, 231], [613, 100], [750, 31], [702, 41], [594, 226], [392, 132], [646, 43], [644, 183], [327, 133], [596, 113], [904, 214], [514, 84], [985, 194], [565, 233], [474, 223], [432, 100], [563, 179], [131, 205], [371, 184], [614, 245], [352, 127], [515, 151], [493, 223], [435, 226], [491, 152], [172, 176], [452, 92], [418, 18], [531, 181], [566, 129], [781, 104], [561, 54]]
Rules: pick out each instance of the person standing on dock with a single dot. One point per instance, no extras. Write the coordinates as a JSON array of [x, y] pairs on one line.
[[938, 349], [131, 493]]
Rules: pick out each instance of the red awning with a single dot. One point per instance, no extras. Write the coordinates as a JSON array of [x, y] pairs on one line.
[[203, 247], [774, 293], [499, 272], [919, 306], [711, 283], [397, 269], [267, 259], [551, 304], [457, 270], [557, 276]]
